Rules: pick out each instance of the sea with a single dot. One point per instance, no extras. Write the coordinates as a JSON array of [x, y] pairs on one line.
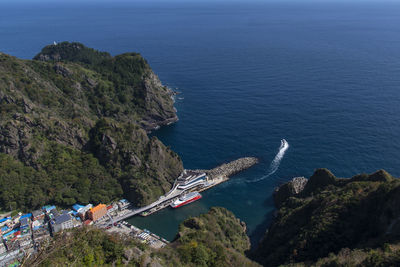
[[323, 75]]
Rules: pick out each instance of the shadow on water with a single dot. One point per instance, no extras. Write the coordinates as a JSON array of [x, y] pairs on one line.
[[258, 233]]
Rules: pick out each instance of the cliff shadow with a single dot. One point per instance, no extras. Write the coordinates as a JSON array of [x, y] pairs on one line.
[[258, 233]]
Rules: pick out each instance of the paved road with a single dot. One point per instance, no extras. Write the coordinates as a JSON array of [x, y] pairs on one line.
[[170, 195]]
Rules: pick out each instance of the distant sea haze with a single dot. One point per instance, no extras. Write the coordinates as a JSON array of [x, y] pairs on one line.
[[323, 76]]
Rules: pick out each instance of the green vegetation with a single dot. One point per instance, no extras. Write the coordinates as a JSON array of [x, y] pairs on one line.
[[87, 247], [73, 123], [68, 176], [216, 238], [360, 214], [72, 52], [388, 255]]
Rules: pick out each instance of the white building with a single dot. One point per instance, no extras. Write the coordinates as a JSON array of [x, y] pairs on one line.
[[62, 222]]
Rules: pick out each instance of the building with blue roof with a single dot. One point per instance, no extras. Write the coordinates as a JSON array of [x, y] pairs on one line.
[[28, 215], [10, 233], [77, 207], [5, 219], [48, 208]]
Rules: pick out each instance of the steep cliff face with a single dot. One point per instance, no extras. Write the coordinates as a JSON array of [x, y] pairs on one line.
[[331, 214], [133, 82], [86, 102], [127, 151]]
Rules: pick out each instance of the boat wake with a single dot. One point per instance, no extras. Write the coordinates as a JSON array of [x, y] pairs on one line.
[[275, 162]]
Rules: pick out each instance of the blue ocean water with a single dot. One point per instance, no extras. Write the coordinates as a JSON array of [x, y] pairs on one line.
[[323, 76]]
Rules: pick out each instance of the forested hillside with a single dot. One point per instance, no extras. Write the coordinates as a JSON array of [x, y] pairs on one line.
[[335, 222], [215, 239], [73, 125]]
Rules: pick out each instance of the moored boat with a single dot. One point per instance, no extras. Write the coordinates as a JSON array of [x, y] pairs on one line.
[[186, 199]]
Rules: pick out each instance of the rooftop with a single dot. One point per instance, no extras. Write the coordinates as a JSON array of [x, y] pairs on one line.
[[5, 219], [188, 174], [98, 208], [37, 213], [28, 215], [24, 221], [48, 208], [77, 207], [55, 212], [62, 218]]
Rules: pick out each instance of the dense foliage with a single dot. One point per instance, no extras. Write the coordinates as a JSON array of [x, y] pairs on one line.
[[331, 214], [114, 86], [387, 255], [85, 247], [72, 52], [76, 119], [216, 238], [68, 176]]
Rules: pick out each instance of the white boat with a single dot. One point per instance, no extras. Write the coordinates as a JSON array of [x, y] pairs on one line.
[[186, 199]]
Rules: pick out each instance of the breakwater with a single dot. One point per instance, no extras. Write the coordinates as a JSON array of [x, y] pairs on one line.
[[228, 169], [216, 176]]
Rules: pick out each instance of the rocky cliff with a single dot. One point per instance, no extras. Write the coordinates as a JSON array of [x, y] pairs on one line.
[[73, 104], [327, 219]]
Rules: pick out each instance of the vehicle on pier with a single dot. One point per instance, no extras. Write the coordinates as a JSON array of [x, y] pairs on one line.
[[186, 199]]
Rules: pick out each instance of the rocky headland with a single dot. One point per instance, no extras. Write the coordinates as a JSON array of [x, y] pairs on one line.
[[74, 125], [329, 221]]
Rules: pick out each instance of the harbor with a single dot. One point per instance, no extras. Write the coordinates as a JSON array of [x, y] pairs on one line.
[[23, 234], [189, 181]]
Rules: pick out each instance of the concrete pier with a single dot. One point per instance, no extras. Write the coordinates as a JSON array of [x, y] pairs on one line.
[[216, 176]]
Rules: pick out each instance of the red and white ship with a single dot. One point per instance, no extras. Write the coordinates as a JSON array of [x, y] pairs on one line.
[[186, 199]]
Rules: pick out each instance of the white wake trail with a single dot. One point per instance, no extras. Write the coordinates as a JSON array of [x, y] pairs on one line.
[[275, 162]]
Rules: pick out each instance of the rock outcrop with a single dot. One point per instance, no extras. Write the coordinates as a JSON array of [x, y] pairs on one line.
[[318, 218], [289, 189]]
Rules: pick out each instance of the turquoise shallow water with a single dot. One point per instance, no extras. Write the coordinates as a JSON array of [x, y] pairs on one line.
[[323, 76]]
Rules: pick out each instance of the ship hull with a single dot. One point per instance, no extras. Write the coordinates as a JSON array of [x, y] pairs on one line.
[[186, 202]]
